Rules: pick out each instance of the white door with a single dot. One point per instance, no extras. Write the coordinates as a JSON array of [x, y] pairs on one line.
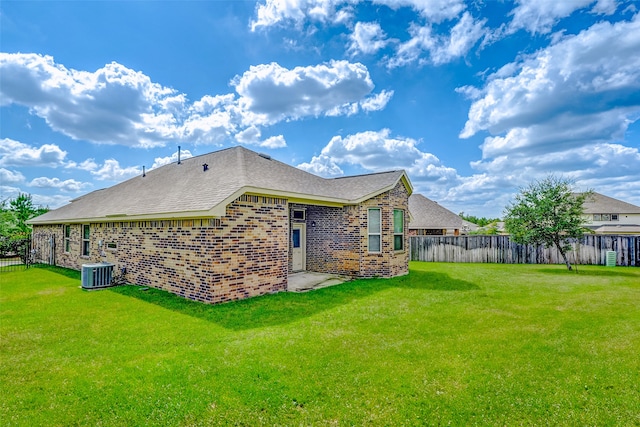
[[298, 245]]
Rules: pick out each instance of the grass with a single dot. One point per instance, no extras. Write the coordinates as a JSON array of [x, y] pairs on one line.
[[459, 344]]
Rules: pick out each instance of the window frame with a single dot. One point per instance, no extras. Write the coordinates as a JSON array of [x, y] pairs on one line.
[[377, 233], [401, 233], [301, 212], [615, 217], [66, 232], [86, 240]]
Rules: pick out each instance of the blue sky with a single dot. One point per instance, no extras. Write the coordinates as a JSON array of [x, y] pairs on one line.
[[474, 99]]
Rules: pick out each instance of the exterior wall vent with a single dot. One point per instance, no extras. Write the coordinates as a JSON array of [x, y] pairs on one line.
[[96, 276]]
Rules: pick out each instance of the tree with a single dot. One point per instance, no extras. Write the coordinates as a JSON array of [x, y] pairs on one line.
[[23, 210], [481, 221], [7, 219], [547, 212], [14, 231]]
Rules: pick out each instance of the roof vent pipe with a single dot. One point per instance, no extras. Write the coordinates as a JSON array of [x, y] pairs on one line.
[[205, 167], [143, 172], [178, 154]]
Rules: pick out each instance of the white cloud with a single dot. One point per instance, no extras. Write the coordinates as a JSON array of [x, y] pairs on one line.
[[212, 119], [442, 49], [578, 163], [367, 38], [68, 185], [433, 10], [112, 171], [117, 105], [252, 135], [87, 165], [15, 153], [560, 133], [8, 192], [378, 151], [584, 88], [275, 12], [113, 105], [10, 177], [277, 141], [605, 7], [377, 102], [270, 93], [298, 12], [565, 110], [464, 35], [161, 161], [322, 165], [52, 202], [538, 16]]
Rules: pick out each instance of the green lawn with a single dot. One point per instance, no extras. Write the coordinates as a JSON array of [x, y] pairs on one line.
[[459, 344]]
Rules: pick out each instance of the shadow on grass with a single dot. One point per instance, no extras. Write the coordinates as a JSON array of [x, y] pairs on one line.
[[286, 307], [602, 272], [67, 272]]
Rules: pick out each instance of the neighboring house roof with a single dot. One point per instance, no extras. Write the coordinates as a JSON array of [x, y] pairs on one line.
[[427, 214], [186, 190], [616, 229], [599, 203], [470, 226]]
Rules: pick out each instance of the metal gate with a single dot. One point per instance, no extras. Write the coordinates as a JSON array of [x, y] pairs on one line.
[[33, 251]]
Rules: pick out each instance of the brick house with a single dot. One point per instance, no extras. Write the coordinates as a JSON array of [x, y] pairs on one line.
[[233, 224], [428, 218]]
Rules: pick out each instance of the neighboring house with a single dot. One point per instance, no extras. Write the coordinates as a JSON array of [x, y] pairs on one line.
[[493, 228], [606, 215], [233, 224], [428, 218], [468, 227]]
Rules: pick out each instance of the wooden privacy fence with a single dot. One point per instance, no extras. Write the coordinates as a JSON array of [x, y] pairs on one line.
[[591, 249]]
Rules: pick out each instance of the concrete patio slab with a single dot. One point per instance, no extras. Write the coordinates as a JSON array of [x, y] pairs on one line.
[[303, 281]]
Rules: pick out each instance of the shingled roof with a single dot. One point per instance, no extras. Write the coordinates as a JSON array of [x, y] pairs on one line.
[[599, 203], [425, 213], [187, 190]]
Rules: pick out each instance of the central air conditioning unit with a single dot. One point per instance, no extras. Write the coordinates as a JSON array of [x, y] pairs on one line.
[[96, 276]]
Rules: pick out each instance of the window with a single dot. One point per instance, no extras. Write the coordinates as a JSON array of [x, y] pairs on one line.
[[614, 217], [597, 217], [374, 229], [295, 236], [67, 238], [85, 240], [606, 217], [298, 214], [398, 229]]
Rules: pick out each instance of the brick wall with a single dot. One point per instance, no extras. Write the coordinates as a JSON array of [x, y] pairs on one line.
[[241, 255], [387, 263], [333, 243], [338, 241]]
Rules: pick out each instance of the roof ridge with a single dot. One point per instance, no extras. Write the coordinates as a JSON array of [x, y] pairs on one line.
[[189, 159], [242, 170], [367, 174]]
